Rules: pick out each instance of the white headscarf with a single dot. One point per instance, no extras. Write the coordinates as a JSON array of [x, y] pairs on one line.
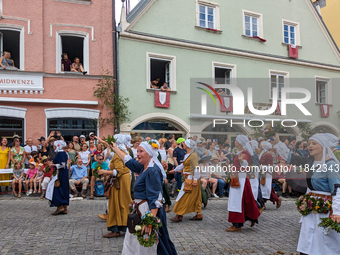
[[190, 143], [266, 147], [327, 149], [244, 141], [120, 141], [59, 144], [254, 144], [331, 139], [153, 152], [127, 141]]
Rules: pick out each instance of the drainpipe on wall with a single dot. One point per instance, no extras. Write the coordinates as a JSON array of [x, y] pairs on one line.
[[114, 48]]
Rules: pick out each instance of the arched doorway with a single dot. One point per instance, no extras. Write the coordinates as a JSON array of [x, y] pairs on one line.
[[222, 133], [157, 128]]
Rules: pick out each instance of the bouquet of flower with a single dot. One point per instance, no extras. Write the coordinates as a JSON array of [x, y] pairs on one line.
[[109, 140], [304, 204], [95, 171], [322, 205], [150, 221], [328, 224], [270, 130], [132, 206], [227, 178]]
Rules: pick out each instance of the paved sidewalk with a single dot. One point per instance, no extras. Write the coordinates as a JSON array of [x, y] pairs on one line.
[[26, 227]]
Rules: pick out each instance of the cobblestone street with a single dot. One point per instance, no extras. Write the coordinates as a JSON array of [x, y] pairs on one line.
[[26, 227]]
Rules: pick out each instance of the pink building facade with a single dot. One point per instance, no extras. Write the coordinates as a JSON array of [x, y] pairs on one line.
[[39, 96]]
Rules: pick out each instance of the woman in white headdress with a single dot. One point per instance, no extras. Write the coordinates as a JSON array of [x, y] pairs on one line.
[[266, 162], [189, 201], [119, 198], [147, 190], [323, 180], [241, 203], [58, 188], [254, 176]]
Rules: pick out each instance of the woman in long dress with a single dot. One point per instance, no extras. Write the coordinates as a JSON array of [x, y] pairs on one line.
[[4, 162], [324, 181], [241, 203], [58, 188], [266, 160], [119, 199], [148, 186], [188, 202]]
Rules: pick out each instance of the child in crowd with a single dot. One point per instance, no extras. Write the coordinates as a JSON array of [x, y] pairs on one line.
[[38, 178], [47, 176], [18, 177], [32, 171], [35, 156]]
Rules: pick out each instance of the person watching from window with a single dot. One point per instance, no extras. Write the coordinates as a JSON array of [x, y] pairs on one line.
[[165, 87], [6, 62], [155, 83], [65, 63], [77, 66]]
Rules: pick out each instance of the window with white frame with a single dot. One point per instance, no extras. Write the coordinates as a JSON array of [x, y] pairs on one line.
[[161, 71], [277, 81], [252, 24], [322, 91], [10, 41], [74, 46], [291, 32], [207, 14], [224, 75]]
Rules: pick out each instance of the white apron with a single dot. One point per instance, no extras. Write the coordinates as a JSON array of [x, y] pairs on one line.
[[236, 195], [267, 188], [255, 185], [50, 187], [313, 240], [131, 245], [181, 192]]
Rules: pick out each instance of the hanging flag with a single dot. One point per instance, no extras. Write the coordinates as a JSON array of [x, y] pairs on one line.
[[227, 104], [324, 110], [278, 107], [162, 99], [293, 51]]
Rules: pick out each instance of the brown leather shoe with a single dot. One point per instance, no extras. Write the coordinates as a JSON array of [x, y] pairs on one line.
[[278, 203], [252, 224], [198, 216], [233, 229], [65, 209], [205, 204], [112, 234], [177, 218], [59, 210], [102, 216]]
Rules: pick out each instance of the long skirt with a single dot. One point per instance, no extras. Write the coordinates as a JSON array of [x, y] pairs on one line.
[[204, 195], [249, 207], [260, 201], [190, 202], [4, 177], [164, 247], [273, 196], [119, 201], [61, 194]]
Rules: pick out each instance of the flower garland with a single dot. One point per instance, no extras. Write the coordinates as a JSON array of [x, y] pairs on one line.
[[307, 204], [150, 221], [328, 224], [270, 130], [153, 144]]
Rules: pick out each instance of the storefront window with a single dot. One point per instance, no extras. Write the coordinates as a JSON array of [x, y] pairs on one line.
[[71, 127], [10, 127], [156, 129]]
